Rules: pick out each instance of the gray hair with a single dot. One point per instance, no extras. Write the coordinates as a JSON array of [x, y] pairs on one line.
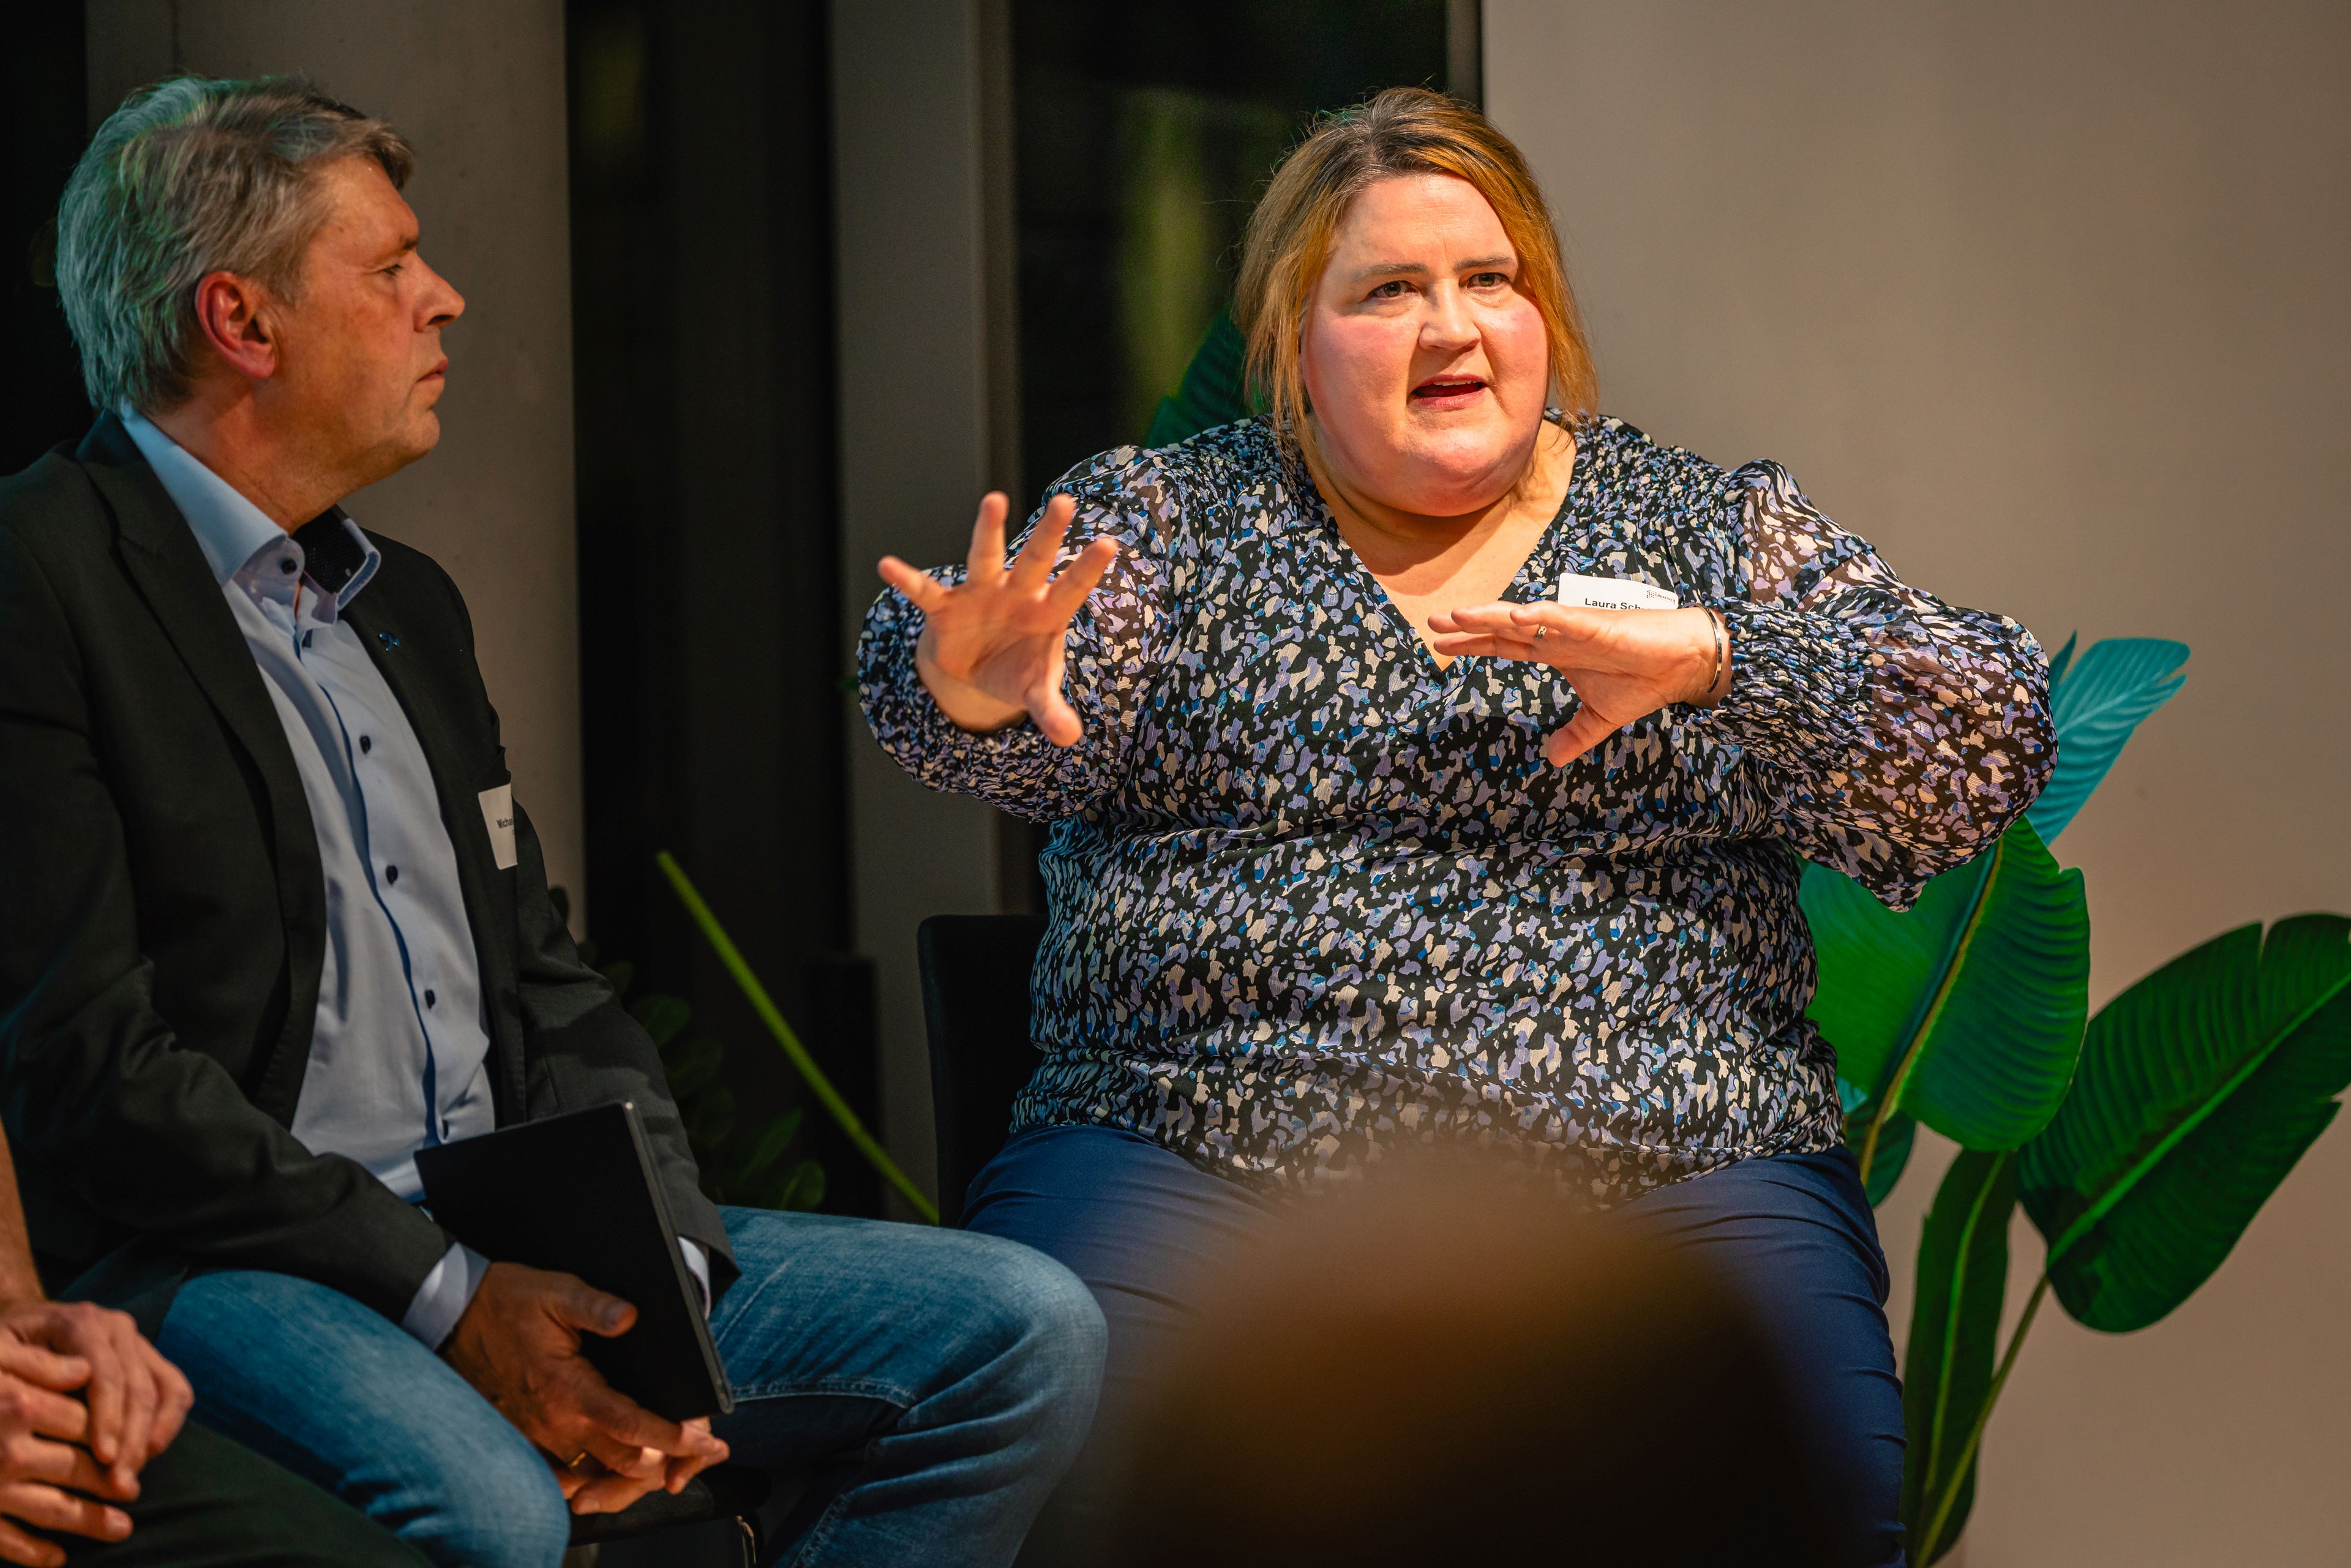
[[191, 177]]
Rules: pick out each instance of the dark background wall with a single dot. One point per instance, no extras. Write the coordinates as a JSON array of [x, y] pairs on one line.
[[42, 128], [713, 711]]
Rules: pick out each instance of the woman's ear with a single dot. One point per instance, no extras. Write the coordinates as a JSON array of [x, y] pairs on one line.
[[233, 317]]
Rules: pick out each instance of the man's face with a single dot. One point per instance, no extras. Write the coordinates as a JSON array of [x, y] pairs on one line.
[[359, 366]]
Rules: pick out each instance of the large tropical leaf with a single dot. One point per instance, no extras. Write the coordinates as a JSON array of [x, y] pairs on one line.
[[2097, 701], [1213, 391], [1965, 1012], [2199, 1088], [1947, 1374], [1894, 1142]]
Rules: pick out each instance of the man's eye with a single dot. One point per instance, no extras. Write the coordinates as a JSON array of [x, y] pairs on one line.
[[393, 270]]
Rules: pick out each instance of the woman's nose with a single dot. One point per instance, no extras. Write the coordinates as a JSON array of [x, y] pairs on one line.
[[1449, 324]]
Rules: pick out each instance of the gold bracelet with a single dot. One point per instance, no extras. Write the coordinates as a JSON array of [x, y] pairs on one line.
[[1720, 648]]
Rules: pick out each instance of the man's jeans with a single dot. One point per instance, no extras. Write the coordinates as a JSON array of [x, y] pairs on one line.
[[945, 1379]]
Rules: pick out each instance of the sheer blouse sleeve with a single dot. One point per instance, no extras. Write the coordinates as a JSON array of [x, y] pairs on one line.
[[1901, 735], [1109, 654]]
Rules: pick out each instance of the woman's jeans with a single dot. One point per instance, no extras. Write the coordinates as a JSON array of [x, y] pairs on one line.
[[944, 1381], [1138, 1223]]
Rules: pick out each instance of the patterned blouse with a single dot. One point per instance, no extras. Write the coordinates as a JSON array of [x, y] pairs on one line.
[[1313, 895]]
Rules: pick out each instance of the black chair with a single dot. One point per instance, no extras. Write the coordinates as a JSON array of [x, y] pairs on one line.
[[975, 1008]]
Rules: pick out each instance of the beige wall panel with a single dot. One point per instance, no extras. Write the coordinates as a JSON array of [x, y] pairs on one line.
[[2050, 303], [479, 91], [914, 458]]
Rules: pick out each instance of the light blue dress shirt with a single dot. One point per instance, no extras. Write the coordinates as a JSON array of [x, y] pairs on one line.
[[399, 1051]]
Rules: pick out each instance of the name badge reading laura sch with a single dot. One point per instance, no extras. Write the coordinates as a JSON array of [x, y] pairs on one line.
[[1614, 593], [497, 815]]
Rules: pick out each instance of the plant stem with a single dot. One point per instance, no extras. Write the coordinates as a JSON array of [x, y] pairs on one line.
[[1955, 958], [827, 1095], [1975, 1437]]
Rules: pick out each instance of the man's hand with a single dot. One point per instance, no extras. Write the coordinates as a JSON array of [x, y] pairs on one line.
[[518, 1344], [43, 1461], [1624, 664], [136, 1399]]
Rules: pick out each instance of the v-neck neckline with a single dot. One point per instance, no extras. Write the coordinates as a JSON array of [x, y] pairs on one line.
[[1398, 622]]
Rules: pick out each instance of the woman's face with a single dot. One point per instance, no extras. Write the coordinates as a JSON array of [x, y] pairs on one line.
[[1427, 368]]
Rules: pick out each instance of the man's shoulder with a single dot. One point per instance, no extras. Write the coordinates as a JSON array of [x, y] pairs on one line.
[[53, 507]]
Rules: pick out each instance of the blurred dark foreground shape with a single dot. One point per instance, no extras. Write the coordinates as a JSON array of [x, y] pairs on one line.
[[1445, 1368]]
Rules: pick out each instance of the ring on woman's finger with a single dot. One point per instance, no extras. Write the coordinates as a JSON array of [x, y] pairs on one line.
[[1541, 631]]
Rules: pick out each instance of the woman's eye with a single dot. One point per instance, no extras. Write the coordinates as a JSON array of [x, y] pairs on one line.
[[1392, 289], [1490, 280]]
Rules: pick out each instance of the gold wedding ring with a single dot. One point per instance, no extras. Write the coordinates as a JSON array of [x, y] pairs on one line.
[[577, 1461]]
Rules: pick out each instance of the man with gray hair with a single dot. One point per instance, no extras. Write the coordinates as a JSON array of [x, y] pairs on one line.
[[274, 923]]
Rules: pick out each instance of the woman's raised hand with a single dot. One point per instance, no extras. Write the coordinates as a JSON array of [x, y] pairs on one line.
[[1624, 664], [992, 646]]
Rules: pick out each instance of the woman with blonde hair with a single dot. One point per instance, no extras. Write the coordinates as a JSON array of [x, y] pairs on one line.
[[1363, 836]]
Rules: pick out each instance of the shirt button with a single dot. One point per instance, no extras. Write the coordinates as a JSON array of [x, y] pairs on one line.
[[287, 566], [366, 744], [391, 874], [428, 999]]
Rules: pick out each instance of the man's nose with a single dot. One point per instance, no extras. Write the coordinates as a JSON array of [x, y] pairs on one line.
[[443, 303]]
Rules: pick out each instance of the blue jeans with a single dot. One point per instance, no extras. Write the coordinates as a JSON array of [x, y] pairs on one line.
[[1137, 1222], [946, 1380]]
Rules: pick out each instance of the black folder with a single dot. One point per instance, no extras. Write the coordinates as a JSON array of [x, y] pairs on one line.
[[576, 1194]]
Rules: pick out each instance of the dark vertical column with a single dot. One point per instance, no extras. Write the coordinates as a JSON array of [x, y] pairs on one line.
[[42, 128], [710, 552]]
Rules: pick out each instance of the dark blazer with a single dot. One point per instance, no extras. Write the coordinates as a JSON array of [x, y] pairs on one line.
[[162, 913]]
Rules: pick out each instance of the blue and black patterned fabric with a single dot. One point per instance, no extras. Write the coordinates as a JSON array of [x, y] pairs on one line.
[[1314, 895]]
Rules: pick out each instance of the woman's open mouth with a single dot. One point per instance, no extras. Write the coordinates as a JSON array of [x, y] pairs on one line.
[[1448, 392]]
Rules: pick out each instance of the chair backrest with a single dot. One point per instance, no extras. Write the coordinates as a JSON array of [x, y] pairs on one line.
[[975, 1006]]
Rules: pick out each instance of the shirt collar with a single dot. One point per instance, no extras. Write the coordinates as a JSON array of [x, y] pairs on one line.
[[232, 532]]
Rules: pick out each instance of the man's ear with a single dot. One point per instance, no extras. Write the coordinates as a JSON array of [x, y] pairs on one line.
[[234, 314]]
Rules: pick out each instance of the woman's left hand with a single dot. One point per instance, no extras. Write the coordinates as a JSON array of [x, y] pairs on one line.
[[1624, 664]]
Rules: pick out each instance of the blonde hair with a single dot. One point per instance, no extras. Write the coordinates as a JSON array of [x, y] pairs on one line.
[[1404, 131]]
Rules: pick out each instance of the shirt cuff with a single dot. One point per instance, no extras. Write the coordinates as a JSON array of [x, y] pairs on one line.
[[442, 1300], [697, 1262]]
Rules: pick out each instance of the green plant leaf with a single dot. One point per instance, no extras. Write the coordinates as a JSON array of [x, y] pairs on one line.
[[800, 1187], [691, 1063], [1947, 1374], [2200, 1086], [1213, 390], [2097, 702], [662, 1014], [709, 1118], [1895, 1139], [620, 974], [1966, 1011], [756, 1151], [2057, 665]]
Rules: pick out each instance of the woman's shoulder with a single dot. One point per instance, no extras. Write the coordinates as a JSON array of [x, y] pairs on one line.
[[1177, 487], [1623, 457]]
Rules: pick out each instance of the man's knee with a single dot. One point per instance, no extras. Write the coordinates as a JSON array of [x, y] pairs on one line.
[[1047, 1328], [501, 1512]]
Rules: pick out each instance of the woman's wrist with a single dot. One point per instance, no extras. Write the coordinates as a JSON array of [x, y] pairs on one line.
[[1711, 681]]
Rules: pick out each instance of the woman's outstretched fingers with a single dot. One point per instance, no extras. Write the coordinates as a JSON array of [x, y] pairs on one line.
[[985, 561], [1035, 563], [926, 591], [1081, 577]]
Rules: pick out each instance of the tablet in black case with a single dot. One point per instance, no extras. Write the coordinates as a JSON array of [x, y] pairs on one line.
[[576, 1194]]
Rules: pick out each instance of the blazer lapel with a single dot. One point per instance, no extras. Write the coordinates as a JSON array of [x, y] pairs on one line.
[[169, 571]]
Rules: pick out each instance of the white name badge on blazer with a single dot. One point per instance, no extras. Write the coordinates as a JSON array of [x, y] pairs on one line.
[[1614, 593], [497, 815]]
